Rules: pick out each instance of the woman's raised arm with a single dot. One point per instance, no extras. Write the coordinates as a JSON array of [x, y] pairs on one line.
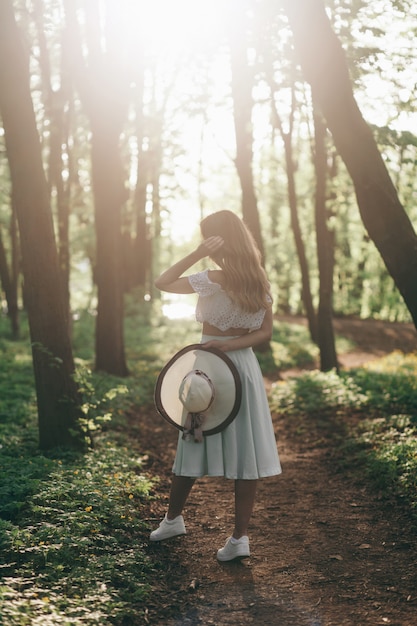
[[172, 280]]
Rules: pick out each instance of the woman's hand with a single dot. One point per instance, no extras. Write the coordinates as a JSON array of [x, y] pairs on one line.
[[210, 246], [248, 340], [220, 344]]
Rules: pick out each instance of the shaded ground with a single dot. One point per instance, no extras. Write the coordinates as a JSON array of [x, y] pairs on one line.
[[325, 550]]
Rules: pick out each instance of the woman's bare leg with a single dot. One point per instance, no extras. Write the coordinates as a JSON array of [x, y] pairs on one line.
[[245, 492], [180, 490]]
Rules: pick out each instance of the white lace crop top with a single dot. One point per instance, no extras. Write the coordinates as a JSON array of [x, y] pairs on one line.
[[217, 308]]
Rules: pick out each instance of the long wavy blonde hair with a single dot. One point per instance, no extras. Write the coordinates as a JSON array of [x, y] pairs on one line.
[[245, 279]]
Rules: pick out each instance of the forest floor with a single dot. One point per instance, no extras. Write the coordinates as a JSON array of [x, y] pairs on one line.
[[327, 550]]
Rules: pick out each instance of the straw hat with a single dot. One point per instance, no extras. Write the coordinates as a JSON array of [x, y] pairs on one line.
[[199, 382]]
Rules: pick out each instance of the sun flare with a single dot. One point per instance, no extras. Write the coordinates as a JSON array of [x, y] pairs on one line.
[[178, 308], [168, 25], [171, 36]]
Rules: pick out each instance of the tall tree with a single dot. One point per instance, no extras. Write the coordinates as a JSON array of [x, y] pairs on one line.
[[58, 396], [141, 257], [324, 64], [287, 138], [58, 111], [103, 86], [325, 252], [242, 84]]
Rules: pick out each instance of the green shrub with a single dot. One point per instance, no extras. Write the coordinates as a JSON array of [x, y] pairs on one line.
[[382, 443], [316, 391], [391, 383]]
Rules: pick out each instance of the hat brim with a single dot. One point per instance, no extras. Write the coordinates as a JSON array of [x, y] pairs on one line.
[[222, 372]]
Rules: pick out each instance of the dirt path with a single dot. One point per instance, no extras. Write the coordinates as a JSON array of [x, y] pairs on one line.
[[325, 551]]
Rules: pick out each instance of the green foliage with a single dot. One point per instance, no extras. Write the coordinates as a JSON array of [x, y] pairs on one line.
[[75, 553], [388, 448], [54, 362], [83, 333], [101, 394], [386, 441], [391, 383], [16, 391], [71, 530], [152, 337], [21, 475], [315, 392], [291, 346], [383, 394]]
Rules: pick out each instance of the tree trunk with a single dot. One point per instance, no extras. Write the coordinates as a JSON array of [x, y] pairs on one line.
[[306, 296], [10, 290], [57, 393], [286, 137], [324, 64], [108, 198], [58, 110], [242, 83], [142, 254], [325, 254], [14, 272], [103, 86], [141, 244]]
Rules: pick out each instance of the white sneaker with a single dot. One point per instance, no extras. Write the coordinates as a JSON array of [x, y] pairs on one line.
[[234, 549], [169, 528]]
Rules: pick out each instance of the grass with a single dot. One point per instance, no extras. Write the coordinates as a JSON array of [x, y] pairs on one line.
[[73, 530]]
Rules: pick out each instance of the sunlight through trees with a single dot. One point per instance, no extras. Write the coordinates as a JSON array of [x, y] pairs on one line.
[[151, 115]]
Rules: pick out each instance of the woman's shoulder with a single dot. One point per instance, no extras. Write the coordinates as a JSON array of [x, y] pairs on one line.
[[206, 283], [216, 276]]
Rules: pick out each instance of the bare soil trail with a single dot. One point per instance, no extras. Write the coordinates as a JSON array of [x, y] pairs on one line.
[[326, 550]]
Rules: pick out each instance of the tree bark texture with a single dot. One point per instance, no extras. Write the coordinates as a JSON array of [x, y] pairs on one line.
[[108, 198], [57, 393], [242, 83], [103, 86], [324, 65], [325, 253], [58, 110]]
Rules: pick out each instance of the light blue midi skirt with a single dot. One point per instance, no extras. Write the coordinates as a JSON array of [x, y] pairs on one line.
[[246, 449]]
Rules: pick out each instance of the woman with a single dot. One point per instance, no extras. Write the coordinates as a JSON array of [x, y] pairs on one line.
[[235, 309]]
